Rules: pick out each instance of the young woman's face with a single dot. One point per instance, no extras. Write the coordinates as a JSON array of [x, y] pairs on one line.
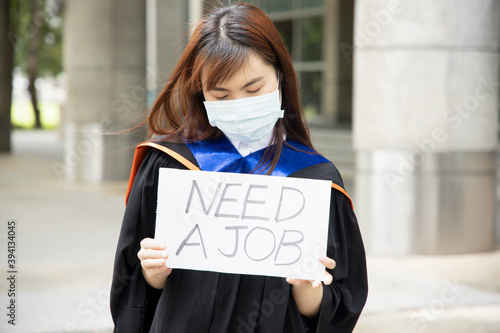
[[255, 78]]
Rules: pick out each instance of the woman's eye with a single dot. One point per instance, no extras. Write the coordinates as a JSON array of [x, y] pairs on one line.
[[221, 98], [254, 91]]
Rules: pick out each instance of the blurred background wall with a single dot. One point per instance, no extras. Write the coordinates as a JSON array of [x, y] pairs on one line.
[[426, 124], [401, 95], [105, 63]]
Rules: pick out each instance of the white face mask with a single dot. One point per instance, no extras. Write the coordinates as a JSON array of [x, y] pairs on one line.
[[246, 119]]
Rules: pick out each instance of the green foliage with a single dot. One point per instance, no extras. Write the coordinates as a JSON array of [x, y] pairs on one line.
[[22, 115], [25, 22]]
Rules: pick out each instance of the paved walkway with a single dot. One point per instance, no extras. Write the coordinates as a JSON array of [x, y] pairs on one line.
[[66, 237]]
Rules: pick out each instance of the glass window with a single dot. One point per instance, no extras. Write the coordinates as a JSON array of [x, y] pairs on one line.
[[312, 3], [276, 5], [310, 84], [312, 38], [300, 24]]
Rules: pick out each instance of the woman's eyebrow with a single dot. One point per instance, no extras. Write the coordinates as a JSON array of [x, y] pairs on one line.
[[219, 89], [252, 82], [245, 86]]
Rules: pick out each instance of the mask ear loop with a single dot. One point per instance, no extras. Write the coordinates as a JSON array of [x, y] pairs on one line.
[[278, 86]]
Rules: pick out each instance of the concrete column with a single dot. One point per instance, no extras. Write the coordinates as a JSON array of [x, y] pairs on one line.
[[105, 60], [426, 124], [331, 81], [5, 77], [167, 23], [344, 59]]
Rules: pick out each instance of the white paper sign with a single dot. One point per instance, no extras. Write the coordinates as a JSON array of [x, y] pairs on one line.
[[246, 224]]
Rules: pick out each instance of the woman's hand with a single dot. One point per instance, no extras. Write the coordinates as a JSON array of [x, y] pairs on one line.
[[308, 294], [152, 256]]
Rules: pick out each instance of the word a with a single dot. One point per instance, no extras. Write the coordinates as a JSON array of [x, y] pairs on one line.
[[256, 240]]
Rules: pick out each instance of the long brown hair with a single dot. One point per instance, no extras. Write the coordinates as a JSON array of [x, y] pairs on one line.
[[219, 46]]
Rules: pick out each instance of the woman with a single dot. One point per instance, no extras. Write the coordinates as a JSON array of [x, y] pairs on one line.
[[232, 105]]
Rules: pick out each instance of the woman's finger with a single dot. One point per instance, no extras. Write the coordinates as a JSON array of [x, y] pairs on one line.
[[328, 279], [153, 244], [316, 283], [153, 263], [327, 262], [151, 254], [298, 282]]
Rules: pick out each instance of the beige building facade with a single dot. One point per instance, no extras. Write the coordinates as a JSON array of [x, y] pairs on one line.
[[401, 95]]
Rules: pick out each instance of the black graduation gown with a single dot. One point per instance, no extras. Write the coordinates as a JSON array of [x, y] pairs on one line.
[[200, 301]]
